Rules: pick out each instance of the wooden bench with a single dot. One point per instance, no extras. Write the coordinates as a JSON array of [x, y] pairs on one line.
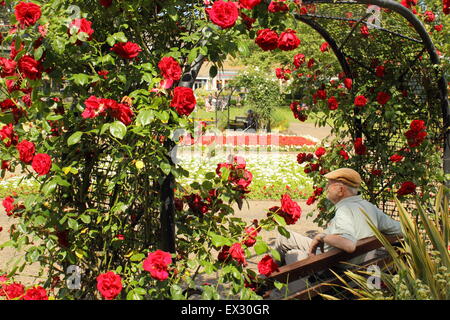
[[323, 262], [238, 123]]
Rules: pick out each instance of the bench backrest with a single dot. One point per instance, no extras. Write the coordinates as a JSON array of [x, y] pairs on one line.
[[326, 260]]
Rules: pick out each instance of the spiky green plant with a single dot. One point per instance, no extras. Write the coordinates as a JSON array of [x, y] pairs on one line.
[[420, 267]]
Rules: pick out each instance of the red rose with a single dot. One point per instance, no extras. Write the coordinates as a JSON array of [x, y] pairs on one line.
[[383, 97], [360, 148], [183, 100], [324, 47], [429, 16], [446, 6], [267, 39], [311, 63], [348, 83], [109, 284], [30, 68], [247, 20], [126, 50], [229, 166], [311, 200], [8, 204], [407, 187], [13, 52], [224, 254], [320, 152], [364, 30], [396, 158], [224, 14], [81, 25], [14, 290], [121, 112], [37, 293], [7, 133], [7, 67], [244, 180], [299, 59], [41, 163], [170, 69], [196, 204], [5, 165], [278, 6], [360, 101], [438, 27], [291, 209], [377, 172], [103, 73], [237, 253], [417, 125], [332, 103], [27, 13], [106, 3], [344, 154], [288, 40], [267, 265], [156, 263], [380, 71], [302, 157], [249, 4], [26, 151], [250, 238]]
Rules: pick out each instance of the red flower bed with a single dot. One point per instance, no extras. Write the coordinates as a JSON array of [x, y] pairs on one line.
[[262, 140]]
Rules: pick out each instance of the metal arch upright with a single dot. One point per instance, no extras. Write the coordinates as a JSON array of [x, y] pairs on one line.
[[425, 39]]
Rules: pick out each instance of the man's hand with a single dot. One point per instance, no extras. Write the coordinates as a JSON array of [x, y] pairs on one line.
[[317, 242]]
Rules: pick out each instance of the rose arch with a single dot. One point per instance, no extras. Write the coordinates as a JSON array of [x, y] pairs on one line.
[[93, 93]]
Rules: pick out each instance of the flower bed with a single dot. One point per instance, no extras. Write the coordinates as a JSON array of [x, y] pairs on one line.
[[274, 174]]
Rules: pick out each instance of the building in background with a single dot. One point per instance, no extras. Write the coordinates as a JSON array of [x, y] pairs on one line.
[[224, 75]]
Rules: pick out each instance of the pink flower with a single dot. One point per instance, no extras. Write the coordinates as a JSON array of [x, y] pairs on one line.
[[156, 263]]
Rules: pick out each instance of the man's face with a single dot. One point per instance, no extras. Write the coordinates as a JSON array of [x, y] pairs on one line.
[[335, 190]]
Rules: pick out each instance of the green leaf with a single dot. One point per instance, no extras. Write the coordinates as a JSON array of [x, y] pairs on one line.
[[165, 167], [133, 295], [260, 247], [283, 231], [85, 218], [279, 219], [145, 117], [49, 187], [275, 254], [59, 46], [120, 37], [118, 129], [72, 224], [192, 55], [81, 79], [218, 240], [74, 138], [137, 257], [38, 53]]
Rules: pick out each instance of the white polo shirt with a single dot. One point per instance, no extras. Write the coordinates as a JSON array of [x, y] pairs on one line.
[[350, 223]]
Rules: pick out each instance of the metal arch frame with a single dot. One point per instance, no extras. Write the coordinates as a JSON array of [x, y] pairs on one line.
[[427, 43]]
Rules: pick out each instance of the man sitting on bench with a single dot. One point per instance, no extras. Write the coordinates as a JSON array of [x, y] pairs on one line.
[[348, 225]]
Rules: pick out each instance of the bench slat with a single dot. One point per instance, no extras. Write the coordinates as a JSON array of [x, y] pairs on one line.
[[326, 260]]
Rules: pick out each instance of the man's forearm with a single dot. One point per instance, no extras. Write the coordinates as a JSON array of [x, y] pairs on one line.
[[339, 242]]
